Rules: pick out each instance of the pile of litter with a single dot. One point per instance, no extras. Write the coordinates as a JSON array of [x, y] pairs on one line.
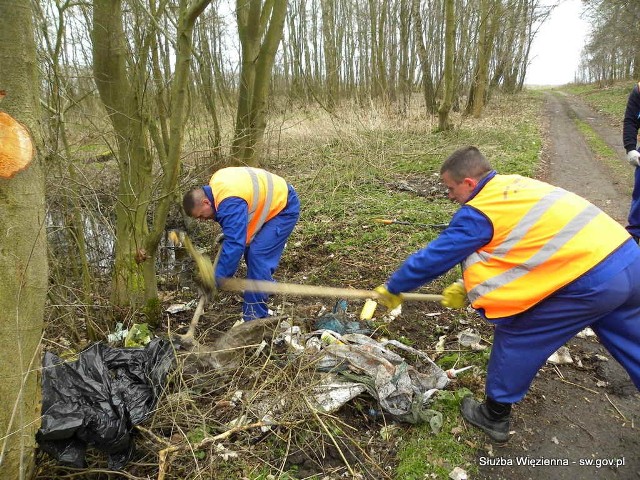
[[347, 362]]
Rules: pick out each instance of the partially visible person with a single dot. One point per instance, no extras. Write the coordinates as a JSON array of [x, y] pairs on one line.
[[630, 127], [257, 211], [541, 264]]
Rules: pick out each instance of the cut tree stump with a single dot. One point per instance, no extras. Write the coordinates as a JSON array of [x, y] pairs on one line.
[[16, 146]]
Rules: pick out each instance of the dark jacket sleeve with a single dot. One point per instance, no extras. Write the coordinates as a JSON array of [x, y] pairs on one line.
[[631, 121]]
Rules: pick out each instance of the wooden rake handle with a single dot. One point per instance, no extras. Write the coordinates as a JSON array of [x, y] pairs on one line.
[[263, 286]]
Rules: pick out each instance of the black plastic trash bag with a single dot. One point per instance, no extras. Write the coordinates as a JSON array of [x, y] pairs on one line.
[[98, 399]]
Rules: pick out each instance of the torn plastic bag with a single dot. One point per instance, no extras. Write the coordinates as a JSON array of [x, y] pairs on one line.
[[401, 390], [98, 399]]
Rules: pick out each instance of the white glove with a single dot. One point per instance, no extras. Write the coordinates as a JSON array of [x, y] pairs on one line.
[[634, 158]]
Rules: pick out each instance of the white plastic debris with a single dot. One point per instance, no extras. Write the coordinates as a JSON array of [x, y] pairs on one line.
[[453, 372], [119, 334], [225, 454], [268, 420], [238, 421], [334, 392], [290, 335], [393, 314], [470, 338], [177, 308], [458, 474], [560, 357], [314, 344], [180, 307], [587, 332]]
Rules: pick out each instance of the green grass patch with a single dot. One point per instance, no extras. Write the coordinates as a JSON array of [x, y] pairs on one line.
[[605, 154], [478, 359], [357, 171], [597, 145], [423, 454], [610, 100]]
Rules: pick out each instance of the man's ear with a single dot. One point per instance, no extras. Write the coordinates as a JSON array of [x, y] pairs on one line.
[[470, 182]]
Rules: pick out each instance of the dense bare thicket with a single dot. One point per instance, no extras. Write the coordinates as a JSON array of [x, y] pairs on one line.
[[153, 83], [613, 50]]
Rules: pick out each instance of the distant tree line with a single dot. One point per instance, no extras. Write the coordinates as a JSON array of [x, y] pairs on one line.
[[613, 49]]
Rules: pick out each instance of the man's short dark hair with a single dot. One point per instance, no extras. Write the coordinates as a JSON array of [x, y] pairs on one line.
[[190, 199], [466, 162]]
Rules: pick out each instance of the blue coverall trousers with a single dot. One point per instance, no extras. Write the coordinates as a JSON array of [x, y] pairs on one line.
[[633, 226], [607, 299], [262, 255]]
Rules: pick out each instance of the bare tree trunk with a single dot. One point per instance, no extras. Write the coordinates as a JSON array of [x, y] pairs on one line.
[[428, 89], [330, 54], [206, 74], [23, 256], [490, 13], [404, 72], [124, 107], [256, 21], [450, 36]]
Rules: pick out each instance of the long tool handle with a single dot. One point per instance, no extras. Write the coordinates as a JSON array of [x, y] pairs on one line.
[[263, 286]]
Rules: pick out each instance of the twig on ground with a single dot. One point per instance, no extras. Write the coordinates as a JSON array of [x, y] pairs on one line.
[[555, 367], [579, 386], [573, 421], [335, 443], [617, 410]]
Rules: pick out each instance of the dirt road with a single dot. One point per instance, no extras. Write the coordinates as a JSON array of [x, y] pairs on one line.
[[582, 420]]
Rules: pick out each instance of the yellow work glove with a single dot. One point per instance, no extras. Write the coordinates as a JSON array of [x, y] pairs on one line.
[[454, 295], [388, 299]]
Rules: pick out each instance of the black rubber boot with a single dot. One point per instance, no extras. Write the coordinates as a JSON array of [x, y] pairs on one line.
[[492, 421]]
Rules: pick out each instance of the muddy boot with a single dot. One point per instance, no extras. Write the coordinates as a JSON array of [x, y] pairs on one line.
[[491, 417]]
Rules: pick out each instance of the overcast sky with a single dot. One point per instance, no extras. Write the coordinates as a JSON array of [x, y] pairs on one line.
[[555, 52]]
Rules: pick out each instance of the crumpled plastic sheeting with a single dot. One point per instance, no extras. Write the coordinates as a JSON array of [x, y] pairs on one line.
[[98, 399], [400, 388]]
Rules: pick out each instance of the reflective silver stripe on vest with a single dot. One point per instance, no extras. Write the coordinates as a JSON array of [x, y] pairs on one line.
[[256, 197], [524, 225], [569, 231]]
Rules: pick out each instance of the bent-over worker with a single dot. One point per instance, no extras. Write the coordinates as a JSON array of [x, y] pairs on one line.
[[257, 211], [541, 264]]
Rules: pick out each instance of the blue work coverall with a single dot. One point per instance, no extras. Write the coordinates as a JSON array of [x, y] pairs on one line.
[[262, 255], [606, 298]]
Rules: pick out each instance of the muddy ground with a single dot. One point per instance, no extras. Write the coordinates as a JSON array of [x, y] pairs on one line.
[[585, 415]]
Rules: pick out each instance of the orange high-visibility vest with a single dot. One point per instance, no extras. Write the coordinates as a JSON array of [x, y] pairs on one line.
[[544, 238], [265, 193]]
